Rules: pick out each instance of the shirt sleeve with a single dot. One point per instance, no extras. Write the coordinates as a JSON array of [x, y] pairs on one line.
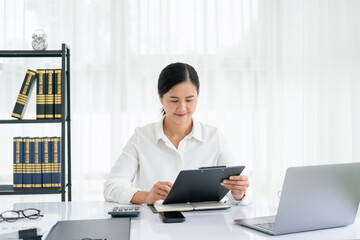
[[246, 200], [119, 185]]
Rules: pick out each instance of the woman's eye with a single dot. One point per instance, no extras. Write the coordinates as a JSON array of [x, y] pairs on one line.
[[188, 100], [174, 101]]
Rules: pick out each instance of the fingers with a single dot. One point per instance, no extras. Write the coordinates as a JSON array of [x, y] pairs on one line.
[[239, 178], [160, 190], [159, 193], [236, 183], [163, 186], [235, 188], [169, 184]]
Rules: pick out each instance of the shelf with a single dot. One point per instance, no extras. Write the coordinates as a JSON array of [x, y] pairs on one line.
[[9, 190], [22, 121], [65, 122], [30, 53]]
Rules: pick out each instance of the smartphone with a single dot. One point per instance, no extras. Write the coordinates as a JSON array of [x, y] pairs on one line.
[[172, 217]]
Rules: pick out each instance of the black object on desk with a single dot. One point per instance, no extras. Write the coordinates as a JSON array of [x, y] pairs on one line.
[[109, 229], [29, 234], [201, 185], [125, 211], [172, 217]]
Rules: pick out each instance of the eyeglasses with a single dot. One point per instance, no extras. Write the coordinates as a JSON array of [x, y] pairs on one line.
[[13, 215]]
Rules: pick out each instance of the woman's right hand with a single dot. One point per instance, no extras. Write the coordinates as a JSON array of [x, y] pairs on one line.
[[158, 192]]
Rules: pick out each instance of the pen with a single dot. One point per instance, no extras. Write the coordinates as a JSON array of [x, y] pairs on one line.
[[22, 234]]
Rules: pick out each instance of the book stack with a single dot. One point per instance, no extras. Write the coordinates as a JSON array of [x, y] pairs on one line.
[[37, 162], [48, 94]]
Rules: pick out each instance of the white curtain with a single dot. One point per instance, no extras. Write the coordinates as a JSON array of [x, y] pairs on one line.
[[280, 78]]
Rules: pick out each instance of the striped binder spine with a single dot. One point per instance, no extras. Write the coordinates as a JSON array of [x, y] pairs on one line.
[[56, 161], [17, 181], [40, 94], [24, 94], [32, 160], [36, 180], [46, 164], [27, 177], [57, 84], [49, 97]]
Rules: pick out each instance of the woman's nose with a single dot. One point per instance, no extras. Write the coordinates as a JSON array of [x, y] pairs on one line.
[[182, 105]]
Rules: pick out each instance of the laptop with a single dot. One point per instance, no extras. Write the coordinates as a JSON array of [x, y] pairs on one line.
[[312, 198]]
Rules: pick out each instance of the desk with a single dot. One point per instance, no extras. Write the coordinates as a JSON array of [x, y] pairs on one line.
[[216, 224]]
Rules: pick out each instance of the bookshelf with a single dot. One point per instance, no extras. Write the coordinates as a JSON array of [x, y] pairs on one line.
[[65, 121]]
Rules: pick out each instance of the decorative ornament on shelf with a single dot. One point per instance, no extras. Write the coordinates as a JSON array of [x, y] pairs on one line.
[[39, 41]]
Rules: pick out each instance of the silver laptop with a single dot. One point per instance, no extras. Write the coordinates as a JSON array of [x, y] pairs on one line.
[[313, 197]]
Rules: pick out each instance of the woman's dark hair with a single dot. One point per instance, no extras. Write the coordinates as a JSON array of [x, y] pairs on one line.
[[176, 73]]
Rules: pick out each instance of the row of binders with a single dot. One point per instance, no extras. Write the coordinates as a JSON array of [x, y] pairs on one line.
[[48, 94], [37, 162]]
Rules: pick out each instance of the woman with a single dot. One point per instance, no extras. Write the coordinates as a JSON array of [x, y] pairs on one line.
[[157, 152]]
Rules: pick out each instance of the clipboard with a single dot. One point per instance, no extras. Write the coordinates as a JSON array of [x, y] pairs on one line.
[[201, 185]]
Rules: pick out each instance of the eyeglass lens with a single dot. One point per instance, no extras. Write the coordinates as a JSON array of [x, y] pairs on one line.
[[13, 215], [31, 213], [10, 216]]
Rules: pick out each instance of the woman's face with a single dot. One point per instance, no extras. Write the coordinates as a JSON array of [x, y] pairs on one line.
[[180, 102]]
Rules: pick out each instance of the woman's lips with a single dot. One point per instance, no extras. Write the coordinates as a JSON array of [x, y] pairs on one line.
[[181, 115]]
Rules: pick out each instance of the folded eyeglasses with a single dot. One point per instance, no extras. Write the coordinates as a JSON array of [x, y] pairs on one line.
[[14, 215]]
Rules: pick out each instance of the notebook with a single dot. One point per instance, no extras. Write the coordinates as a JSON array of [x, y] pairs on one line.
[[313, 197]]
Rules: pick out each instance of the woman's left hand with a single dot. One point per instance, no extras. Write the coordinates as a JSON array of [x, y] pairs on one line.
[[237, 185]]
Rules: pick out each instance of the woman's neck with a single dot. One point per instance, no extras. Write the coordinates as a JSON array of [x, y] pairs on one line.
[[172, 129]]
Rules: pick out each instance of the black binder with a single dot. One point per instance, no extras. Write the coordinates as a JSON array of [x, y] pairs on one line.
[[201, 185]]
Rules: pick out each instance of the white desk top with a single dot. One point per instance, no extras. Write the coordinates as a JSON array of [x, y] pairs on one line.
[[215, 224]]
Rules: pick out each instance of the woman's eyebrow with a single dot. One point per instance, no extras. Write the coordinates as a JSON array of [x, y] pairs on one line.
[[178, 97]]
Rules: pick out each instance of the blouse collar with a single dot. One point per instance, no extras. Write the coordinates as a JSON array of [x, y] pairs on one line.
[[196, 131]]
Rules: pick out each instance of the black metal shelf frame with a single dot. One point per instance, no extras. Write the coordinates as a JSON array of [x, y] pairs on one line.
[[9, 190], [31, 53], [65, 120], [23, 121]]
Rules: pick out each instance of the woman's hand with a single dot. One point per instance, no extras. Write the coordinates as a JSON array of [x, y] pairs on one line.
[[158, 192], [237, 185]]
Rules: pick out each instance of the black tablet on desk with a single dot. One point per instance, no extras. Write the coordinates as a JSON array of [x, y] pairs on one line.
[[108, 228], [201, 185]]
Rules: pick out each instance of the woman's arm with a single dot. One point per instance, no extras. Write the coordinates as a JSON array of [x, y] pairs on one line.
[[119, 185], [158, 192]]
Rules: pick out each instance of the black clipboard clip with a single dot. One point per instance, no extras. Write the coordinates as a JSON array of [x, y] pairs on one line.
[[212, 167]]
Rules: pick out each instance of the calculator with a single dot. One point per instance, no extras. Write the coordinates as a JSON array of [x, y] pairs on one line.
[[125, 211]]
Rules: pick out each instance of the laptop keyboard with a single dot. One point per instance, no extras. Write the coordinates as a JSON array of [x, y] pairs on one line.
[[267, 226]]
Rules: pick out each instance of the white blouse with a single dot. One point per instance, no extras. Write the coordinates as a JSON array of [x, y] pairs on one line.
[[149, 157]]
